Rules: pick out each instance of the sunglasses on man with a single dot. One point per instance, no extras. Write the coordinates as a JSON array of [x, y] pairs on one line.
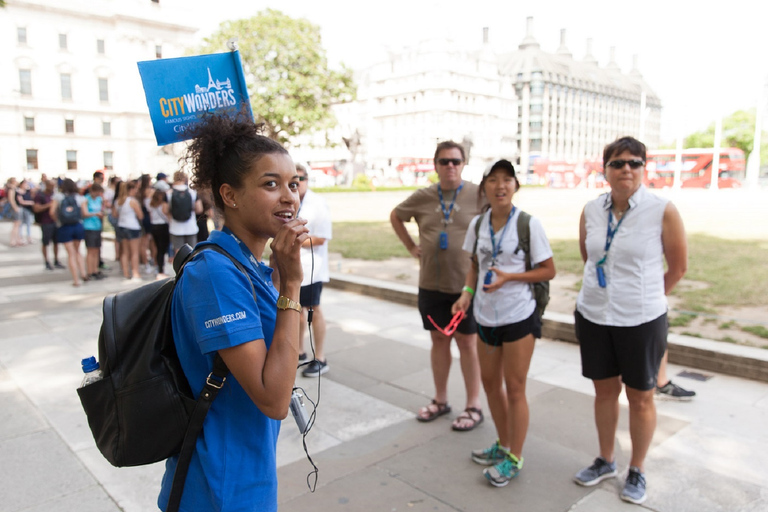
[[619, 164], [445, 161]]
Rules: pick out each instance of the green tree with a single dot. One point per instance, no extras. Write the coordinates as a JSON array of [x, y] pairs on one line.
[[290, 84], [738, 132]]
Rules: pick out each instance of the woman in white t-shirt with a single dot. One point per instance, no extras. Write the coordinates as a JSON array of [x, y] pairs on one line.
[[505, 311]]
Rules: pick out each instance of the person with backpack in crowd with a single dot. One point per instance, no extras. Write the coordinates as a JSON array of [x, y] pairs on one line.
[[129, 215], [66, 211], [42, 208], [93, 213], [182, 209], [626, 236], [505, 308], [255, 186], [159, 230]]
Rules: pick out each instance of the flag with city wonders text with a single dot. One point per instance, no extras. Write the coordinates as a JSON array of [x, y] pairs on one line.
[[179, 91]]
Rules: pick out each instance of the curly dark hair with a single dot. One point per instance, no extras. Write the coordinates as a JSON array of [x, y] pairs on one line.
[[224, 149]]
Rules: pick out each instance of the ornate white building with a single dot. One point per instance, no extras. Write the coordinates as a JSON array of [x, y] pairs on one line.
[[523, 105], [71, 99]]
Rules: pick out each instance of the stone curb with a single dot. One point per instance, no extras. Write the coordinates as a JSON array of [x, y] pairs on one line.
[[700, 353]]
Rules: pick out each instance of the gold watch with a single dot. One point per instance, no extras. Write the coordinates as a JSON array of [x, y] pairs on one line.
[[284, 303]]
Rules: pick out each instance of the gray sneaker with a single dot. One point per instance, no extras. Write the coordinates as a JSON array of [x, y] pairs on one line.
[[634, 487], [671, 391], [596, 473], [315, 368], [489, 456]]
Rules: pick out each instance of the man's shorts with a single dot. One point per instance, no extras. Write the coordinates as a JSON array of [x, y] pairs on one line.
[[93, 238], [310, 295], [495, 336], [49, 233], [634, 352], [438, 306], [68, 232]]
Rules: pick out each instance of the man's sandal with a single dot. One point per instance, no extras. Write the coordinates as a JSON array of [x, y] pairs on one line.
[[432, 411], [466, 416]]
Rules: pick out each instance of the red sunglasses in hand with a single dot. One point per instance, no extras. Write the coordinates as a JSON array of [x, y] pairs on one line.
[[452, 325]]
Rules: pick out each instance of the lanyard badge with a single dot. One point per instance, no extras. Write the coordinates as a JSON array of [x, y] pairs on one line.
[[599, 267], [452, 325], [496, 248], [446, 214]]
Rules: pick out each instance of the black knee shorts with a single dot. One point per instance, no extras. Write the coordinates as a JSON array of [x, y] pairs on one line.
[[310, 295], [495, 336], [634, 352], [49, 233], [438, 306]]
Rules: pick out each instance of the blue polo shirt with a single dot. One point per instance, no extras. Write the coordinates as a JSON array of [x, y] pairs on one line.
[[233, 468]]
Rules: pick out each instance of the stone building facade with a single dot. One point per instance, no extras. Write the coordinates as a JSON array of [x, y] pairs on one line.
[[71, 99]]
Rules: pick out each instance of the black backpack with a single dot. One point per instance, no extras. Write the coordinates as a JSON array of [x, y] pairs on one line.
[[143, 410], [69, 211], [181, 205], [539, 290]]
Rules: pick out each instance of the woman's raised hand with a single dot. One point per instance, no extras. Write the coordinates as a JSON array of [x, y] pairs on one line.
[[286, 248]]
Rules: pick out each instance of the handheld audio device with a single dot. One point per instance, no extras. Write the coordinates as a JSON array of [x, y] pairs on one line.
[[299, 411]]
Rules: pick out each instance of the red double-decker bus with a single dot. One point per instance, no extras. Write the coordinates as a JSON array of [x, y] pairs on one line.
[[696, 168]]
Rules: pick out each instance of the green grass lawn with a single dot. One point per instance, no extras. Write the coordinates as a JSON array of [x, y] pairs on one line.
[[734, 272]]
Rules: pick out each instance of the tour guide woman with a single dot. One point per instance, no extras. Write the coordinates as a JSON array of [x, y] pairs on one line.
[[625, 236], [255, 187], [505, 310]]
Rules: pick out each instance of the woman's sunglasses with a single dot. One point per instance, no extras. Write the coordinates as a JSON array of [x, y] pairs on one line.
[[619, 164]]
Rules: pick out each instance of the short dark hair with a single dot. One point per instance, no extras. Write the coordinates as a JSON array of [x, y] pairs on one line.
[[621, 145], [98, 175], [449, 144]]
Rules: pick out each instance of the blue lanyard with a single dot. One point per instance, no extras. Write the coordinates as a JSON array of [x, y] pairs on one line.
[[247, 252], [494, 246], [447, 213], [610, 234]]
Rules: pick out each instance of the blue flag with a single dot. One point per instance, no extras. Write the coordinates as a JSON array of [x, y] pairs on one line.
[[179, 91]]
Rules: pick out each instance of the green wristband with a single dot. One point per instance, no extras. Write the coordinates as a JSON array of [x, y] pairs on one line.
[[468, 289]]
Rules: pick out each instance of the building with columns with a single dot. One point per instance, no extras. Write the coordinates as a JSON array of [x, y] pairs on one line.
[[526, 105], [569, 109], [71, 99]]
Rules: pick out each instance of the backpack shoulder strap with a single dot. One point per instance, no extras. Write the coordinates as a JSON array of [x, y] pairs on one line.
[[477, 233], [524, 237]]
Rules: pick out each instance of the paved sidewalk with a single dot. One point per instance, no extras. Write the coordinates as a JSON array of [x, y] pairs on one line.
[[708, 455]]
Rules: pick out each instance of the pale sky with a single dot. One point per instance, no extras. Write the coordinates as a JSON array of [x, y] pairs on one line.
[[701, 61]]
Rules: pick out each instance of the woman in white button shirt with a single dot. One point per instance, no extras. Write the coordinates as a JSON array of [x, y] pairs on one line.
[[625, 236]]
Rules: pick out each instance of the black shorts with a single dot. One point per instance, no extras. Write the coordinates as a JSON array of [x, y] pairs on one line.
[[49, 233], [93, 238], [495, 336], [438, 306], [634, 352], [310, 295]]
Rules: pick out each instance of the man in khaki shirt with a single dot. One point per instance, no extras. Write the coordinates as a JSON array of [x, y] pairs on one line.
[[443, 212]]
